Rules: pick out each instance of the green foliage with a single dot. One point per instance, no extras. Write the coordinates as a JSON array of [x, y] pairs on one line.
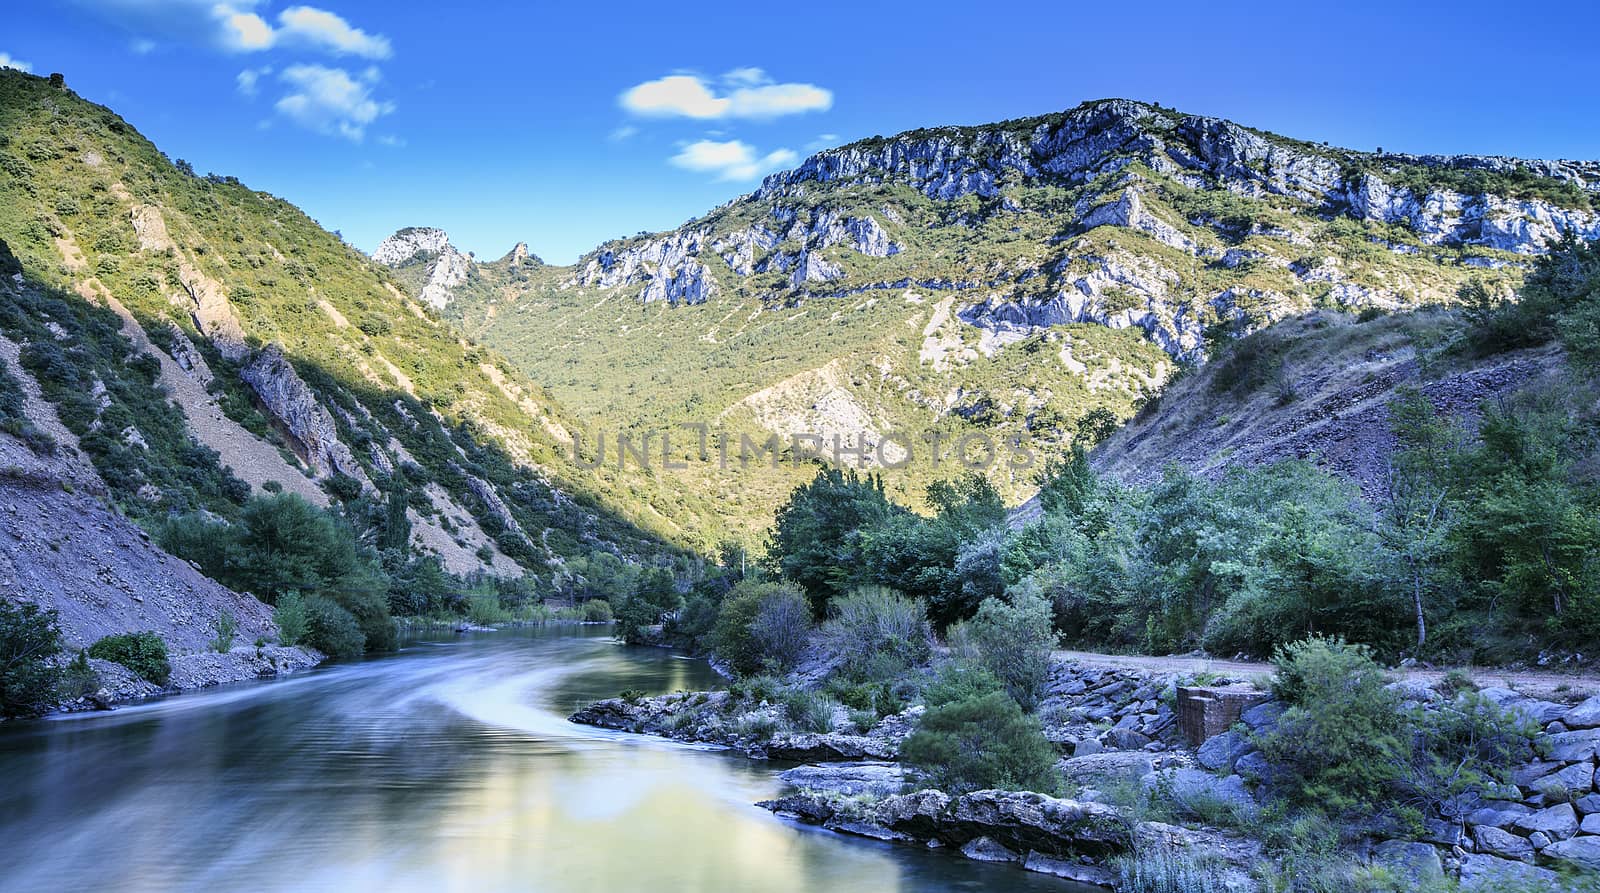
[[762, 626], [291, 618], [1013, 640], [876, 633], [282, 543], [1342, 740], [816, 536], [484, 609], [14, 418], [143, 653], [807, 710], [78, 678], [29, 643], [653, 596], [918, 556], [331, 629], [597, 610], [225, 627], [1559, 298], [982, 741]]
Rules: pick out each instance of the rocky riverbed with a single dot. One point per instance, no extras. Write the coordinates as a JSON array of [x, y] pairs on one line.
[[1118, 732]]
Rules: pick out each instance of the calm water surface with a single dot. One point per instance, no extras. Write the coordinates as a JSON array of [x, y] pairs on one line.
[[447, 767]]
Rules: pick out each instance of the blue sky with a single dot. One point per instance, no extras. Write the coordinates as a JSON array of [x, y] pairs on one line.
[[567, 124]]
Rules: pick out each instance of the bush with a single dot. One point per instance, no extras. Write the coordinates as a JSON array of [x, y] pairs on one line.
[[291, 618], [878, 633], [331, 629], [1013, 641], [808, 711], [143, 653], [78, 678], [597, 610], [762, 625], [982, 741], [782, 625], [29, 640], [226, 626], [483, 609], [1342, 741]]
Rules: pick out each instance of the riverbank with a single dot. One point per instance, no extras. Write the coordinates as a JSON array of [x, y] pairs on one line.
[[192, 672], [1126, 763]]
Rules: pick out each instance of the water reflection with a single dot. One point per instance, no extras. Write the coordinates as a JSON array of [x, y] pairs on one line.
[[447, 767]]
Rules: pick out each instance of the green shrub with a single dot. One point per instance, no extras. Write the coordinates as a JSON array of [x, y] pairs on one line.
[[808, 711], [331, 629], [597, 610], [982, 741], [1343, 739], [226, 626], [653, 595], [29, 641], [1161, 869], [877, 633], [290, 616], [78, 678], [143, 653], [483, 609], [762, 625], [1013, 640]]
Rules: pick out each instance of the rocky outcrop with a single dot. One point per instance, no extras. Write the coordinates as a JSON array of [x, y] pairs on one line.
[[294, 406], [668, 265], [447, 268], [1102, 137]]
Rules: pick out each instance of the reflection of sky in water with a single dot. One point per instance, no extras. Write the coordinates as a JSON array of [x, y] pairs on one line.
[[447, 768]]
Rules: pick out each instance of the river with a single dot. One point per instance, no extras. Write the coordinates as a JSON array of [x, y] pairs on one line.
[[448, 766]]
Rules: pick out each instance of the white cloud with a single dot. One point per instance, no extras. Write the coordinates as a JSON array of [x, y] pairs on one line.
[[242, 32], [9, 61], [330, 101], [626, 131], [250, 79], [325, 30], [746, 93], [730, 160], [237, 26]]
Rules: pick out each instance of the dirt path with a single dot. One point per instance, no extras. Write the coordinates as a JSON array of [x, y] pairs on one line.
[[1550, 685]]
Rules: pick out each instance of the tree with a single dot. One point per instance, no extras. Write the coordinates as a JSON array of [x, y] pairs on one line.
[[29, 642], [654, 595], [1414, 528], [816, 536]]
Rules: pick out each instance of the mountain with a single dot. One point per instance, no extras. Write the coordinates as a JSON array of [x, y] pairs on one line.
[[1004, 281], [201, 341]]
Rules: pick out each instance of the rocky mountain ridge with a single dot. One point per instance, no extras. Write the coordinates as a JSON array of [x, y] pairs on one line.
[[1005, 280]]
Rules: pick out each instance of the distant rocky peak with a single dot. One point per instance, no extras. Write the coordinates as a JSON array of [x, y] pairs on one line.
[[409, 242], [520, 256]]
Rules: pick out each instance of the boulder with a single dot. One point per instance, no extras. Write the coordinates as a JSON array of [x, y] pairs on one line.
[[1417, 863], [1577, 779], [1526, 708], [1559, 821], [1484, 873], [982, 849], [1583, 716], [1263, 717], [1071, 870], [1588, 805], [1025, 821], [1583, 852], [1095, 770], [1220, 752], [1502, 843], [1253, 766], [848, 779], [1572, 747], [1196, 790], [1498, 814]]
